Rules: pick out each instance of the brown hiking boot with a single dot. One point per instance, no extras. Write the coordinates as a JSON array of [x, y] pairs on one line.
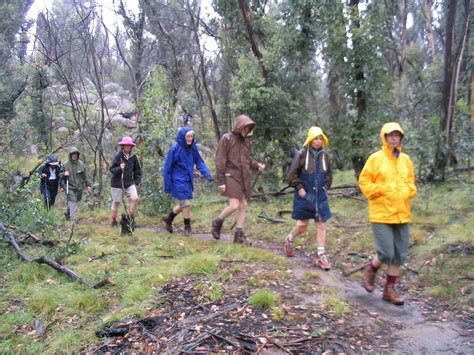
[[241, 238], [390, 295], [369, 279], [187, 229], [216, 227]]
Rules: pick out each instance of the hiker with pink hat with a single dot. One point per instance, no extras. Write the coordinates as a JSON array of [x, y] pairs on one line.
[[126, 178]]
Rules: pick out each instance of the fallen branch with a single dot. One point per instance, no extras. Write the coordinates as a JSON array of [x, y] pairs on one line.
[[58, 267], [271, 219], [357, 268]]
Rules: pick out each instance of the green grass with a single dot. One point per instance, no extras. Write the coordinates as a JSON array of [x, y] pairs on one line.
[[263, 299], [442, 222]]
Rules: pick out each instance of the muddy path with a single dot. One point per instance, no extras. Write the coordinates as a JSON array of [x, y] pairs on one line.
[[416, 327]]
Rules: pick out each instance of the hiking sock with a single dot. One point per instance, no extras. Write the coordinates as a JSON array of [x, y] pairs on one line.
[[321, 250], [171, 216], [373, 268], [187, 221], [290, 237], [391, 280], [238, 229]]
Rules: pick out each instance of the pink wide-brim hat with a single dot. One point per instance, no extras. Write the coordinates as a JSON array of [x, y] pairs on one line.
[[127, 141]]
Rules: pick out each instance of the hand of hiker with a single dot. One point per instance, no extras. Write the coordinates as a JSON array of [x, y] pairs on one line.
[[43, 175], [261, 167], [89, 189], [221, 188], [66, 173], [122, 166], [302, 192]]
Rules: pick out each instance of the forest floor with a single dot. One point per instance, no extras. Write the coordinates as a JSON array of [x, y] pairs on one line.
[[312, 322], [192, 294]]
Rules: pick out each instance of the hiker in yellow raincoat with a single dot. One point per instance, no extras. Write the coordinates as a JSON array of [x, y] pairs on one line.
[[388, 182]]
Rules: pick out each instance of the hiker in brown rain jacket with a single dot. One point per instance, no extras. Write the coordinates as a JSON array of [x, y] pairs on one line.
[[233, 164]]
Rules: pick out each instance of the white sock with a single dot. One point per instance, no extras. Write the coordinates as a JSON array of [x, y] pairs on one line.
[[290, 237], [321, 250]]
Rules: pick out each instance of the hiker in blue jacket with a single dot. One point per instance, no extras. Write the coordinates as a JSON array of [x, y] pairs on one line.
[[178, 174], [49, 174]]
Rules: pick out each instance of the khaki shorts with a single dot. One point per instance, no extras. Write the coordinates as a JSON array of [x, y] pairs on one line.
[[184, 203], [391, 241], [117, 193]]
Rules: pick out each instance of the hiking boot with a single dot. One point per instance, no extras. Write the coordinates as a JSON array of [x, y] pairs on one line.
[[390, 295], [369, 279], [322, 261], [187, 229], [216, 227], [169, 223], [240, 238], [289, 250], [114, 223]]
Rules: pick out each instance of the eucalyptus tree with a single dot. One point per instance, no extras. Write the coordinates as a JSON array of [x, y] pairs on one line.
[[13, 41], [74, 44]]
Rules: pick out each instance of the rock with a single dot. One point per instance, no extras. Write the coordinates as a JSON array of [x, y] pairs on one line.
[[112, 101], [112, 88]]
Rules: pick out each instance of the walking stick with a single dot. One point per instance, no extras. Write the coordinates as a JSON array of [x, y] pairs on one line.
[[129, 223]]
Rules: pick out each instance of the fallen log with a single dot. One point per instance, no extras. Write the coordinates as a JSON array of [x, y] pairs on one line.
[[58, 267]]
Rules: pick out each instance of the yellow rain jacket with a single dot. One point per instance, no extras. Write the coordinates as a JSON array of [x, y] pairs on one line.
[[388, 182]]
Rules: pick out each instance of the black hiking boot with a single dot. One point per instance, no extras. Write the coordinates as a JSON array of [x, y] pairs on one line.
[[216, 227], [168, 219]]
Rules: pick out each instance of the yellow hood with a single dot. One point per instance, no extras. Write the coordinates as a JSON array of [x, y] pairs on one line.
[[314, 132], [389, 128]]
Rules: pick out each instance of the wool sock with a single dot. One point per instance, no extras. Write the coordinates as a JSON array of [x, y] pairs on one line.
[[373, 268], [172, 215], [321, 250], [187, 221], [290, 237], [238, 229], [391, 280]]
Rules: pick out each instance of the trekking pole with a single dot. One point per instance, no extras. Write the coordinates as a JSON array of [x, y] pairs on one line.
[[123, 191]]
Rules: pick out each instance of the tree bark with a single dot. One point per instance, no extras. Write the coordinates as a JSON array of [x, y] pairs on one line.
[[247, 15], [357, 159], [195, 27], [428, 11]]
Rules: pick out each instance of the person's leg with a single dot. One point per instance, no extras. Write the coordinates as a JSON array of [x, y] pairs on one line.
[[116, 199], [242, 213], [52, 195], [231, 208], [186, 208], [322, 259], [383, 240], [219, 221], [401, 238], [73, 207], [133, 205], [299, 228], [239, 235]]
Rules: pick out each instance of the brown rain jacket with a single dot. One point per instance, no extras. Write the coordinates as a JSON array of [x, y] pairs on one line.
[[233, 161]]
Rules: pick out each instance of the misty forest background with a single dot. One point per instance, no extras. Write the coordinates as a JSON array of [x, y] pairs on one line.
[[69, 77]]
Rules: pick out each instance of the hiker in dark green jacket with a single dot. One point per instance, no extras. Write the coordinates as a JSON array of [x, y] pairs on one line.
[[73, 180]]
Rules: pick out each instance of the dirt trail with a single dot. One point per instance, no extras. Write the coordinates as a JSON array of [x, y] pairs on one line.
[[411, 330]]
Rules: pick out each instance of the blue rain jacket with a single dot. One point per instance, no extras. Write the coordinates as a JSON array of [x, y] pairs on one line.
[[178, 171]]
